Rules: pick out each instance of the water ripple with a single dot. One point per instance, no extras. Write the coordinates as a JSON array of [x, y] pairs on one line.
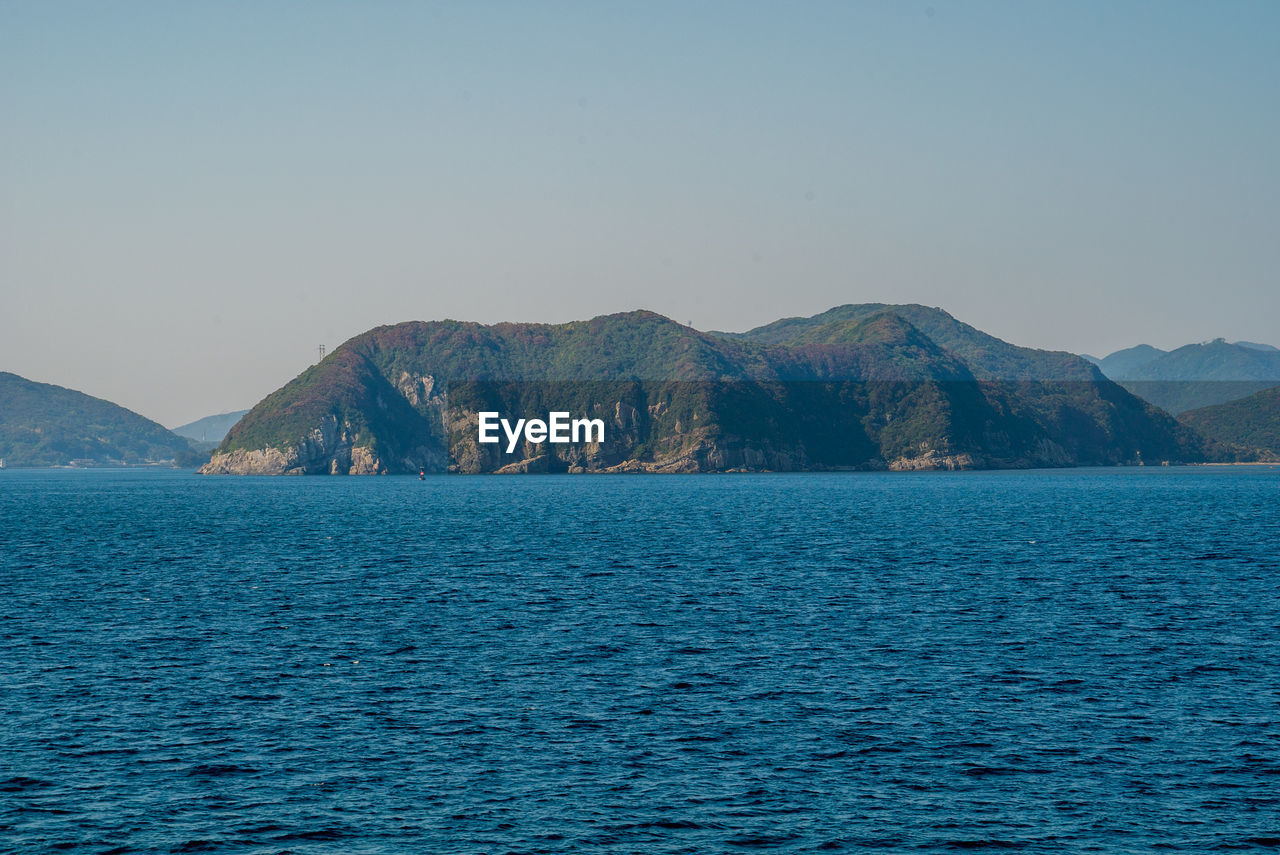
[[1077, 661]]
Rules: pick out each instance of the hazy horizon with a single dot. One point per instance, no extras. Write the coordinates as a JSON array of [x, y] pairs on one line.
[[196, 197], [329, 349]]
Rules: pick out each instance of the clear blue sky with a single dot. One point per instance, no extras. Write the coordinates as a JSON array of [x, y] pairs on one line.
[[195, 195]]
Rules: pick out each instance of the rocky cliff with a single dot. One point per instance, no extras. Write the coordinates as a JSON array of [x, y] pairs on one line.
[[866, 389]]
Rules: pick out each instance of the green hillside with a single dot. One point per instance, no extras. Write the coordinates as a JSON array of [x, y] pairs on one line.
[[1252, 422], [1075, 407], [988, 357], [46, 425]]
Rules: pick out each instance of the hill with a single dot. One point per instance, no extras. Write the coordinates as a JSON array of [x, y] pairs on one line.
[[210, 428], [1252, 422], [1195, 375], [1078, 409], [988, 357], [859, 387], [1124, 362], [46, 425]]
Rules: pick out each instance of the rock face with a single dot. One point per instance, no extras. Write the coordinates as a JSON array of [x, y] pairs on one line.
[[862, 389], [931, 460], [259, 461], [327, 449]]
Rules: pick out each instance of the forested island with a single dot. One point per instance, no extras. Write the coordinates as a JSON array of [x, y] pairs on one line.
[[870, 386]]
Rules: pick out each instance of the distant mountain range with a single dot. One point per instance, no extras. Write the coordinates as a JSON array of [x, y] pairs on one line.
[[859, 387], [210, 429], [1194, 376], [46, 425]]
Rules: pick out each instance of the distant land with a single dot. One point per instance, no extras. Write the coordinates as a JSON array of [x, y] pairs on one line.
[[46, 425], [1252, 422], [867, 386], [870, 386], [1196, 375], [210, 429]]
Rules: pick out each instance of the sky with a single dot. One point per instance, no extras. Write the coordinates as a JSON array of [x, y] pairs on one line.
[[195, 196]]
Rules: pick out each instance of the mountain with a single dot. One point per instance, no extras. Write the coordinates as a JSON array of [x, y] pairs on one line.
[[46, 425], [1252, 422], [1196, 375], [988, 357], [860, 387], [1079, 410], [210, 428], [1123, 362]]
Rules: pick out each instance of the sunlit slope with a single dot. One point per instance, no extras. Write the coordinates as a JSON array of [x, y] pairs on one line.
[[46, 425]]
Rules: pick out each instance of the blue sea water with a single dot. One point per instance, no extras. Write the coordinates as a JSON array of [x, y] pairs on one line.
[[1047, 661]]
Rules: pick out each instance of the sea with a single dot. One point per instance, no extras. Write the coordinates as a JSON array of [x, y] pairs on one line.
[[1076, 660]]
